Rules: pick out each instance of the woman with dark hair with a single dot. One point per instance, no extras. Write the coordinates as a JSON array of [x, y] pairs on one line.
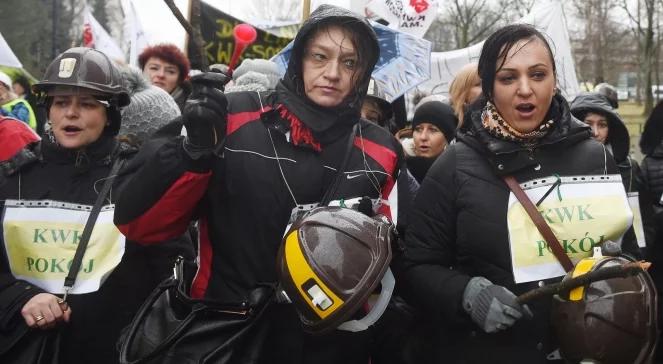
[[52, 184], [167, 67], [470, 248]]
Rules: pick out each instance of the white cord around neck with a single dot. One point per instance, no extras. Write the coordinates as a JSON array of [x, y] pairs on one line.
[[278, 161], [371, 177]]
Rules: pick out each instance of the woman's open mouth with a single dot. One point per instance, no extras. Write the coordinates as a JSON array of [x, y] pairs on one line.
[[71, 130], [525, 109]]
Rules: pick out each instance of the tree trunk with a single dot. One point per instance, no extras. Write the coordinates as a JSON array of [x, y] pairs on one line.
[[649, 57]]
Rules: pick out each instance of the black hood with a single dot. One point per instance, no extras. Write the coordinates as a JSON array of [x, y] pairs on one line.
[[618, 136], [291, 88], [652, 134]]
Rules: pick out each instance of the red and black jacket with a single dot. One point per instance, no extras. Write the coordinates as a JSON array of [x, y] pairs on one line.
[[240, 198]]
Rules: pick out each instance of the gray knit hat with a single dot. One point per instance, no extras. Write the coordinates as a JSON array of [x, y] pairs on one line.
[[263, 66], [150, 107], [250, 81]]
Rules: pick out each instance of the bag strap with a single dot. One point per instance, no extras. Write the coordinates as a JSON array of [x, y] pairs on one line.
[[87, 230], [329, 194], [540, 223]]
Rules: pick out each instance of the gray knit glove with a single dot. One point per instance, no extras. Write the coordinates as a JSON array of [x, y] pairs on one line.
[[492, 307]]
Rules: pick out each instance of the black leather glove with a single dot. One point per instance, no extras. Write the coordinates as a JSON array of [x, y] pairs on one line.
[[205, 114]]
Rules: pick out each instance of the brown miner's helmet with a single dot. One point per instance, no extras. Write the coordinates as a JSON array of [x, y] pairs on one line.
[[611, 321], [89, 69], [330, 262]]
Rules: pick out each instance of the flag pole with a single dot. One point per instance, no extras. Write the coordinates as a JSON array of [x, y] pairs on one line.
[[306, 10]]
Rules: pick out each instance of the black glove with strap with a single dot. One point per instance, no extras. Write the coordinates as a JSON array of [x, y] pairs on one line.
[[205, 114]]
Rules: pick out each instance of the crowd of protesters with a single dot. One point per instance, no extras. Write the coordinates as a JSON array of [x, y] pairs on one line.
[[216, 168]]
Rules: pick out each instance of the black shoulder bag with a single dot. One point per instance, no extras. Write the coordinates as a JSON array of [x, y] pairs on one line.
[[36, 346]]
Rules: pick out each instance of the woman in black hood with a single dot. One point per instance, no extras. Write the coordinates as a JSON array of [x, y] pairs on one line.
[[298, 93], [282, 149]]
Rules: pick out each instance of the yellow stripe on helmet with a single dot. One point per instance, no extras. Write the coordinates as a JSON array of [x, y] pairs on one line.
[[301, 273], [581, 268]]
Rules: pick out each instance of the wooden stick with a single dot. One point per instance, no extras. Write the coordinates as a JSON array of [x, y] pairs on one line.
[[194, 33], [617, 271]]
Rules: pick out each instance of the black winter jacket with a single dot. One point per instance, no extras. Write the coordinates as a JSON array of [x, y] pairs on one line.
[[97, 317], [279, 147], [457, 230], [652, 173]]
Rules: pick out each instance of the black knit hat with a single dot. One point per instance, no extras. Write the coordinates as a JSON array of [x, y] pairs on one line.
[[438, 114]]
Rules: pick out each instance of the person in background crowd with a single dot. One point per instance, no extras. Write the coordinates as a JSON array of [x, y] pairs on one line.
[[458, 252], [83, 95], [433, 128], [13, 106], [464, 90], [167, 67], [609, 92], [651, 145], [376, 108], [23, 88], [598, 112], [404, 135], [281, 150], [150, 109]]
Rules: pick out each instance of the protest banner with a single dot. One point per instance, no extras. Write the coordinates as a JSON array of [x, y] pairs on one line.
[[217, 30]]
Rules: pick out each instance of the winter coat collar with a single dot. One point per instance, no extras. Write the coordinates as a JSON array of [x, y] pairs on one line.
[[98, 153], [507, 156]]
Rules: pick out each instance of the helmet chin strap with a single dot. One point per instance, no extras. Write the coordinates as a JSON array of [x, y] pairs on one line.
[[388, 282]]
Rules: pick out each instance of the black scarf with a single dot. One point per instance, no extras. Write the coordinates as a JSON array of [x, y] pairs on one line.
[[326, 124]]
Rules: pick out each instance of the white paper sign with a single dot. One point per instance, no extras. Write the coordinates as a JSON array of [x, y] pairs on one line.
[[583, 212], [41, 238]]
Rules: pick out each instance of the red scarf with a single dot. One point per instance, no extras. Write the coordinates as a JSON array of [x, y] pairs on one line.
[[300, 134]]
